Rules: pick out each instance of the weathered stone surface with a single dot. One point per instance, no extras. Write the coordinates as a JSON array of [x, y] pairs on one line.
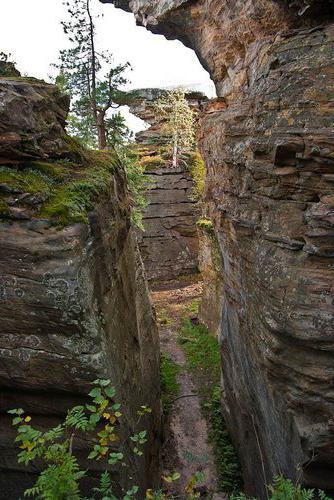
[[74, 307], [32, 119], [268, 145], [169, 244]]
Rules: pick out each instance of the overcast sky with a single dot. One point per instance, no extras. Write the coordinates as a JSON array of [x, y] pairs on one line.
[[31, 31]]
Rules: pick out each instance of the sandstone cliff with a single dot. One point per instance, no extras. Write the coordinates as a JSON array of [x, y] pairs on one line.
[[268, 145], [74, 304], [169, 242]]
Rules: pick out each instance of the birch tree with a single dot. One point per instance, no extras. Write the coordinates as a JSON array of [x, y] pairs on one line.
[[178, 123]]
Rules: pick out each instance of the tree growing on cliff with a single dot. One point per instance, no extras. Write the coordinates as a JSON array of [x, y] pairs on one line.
[[91, 78], [179, 122]]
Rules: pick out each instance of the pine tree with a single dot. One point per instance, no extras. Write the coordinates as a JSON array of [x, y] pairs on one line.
[[81, 74]]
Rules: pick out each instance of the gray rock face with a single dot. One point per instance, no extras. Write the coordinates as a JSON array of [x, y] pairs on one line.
[[74, 307], [268, 146]]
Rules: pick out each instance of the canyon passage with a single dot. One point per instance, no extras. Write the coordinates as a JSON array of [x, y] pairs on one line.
[[238, 284]]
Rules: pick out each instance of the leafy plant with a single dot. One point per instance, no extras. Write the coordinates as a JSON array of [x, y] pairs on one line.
[[197, 170], [138, 182], [61, 474], [285, 489]]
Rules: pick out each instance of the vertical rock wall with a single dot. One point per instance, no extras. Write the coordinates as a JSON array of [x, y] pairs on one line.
[[169, 242], [74, 303], [268, 145]]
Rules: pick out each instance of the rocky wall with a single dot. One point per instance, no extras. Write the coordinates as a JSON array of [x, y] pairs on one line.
[[169, 241], [268, 146], [74, 304]]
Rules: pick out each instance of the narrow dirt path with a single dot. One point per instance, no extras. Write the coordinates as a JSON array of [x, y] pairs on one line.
[[186, 448]]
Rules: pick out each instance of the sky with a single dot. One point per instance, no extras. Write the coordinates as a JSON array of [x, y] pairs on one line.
[[32, 32]]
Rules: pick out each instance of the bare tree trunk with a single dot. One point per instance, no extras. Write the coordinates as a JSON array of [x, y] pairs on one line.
[[101, 130], [175, 148]]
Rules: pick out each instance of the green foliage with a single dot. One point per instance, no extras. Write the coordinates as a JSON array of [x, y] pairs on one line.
[[28, 180], [205, 224], [7, 67], [170, 387], [138, 183], [179, 121], [197, 170], [72, 201], [61, 474], [53, 450], [227, 461], [285, 489], [89, 75]]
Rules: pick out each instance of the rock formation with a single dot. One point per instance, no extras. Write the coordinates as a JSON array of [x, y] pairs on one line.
[[169, 242], [74, 304], [268, 145]]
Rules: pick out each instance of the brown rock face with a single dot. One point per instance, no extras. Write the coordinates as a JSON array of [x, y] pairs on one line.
[[74, 307], [268, 146], [169, 243], [32, 119]]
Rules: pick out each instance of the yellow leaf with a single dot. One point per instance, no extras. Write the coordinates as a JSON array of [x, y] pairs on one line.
[[167, 479], [118, 414], [149, 494], [106, 415], [113, 437], [103, 442], [27, 419], [112, 420], [190, 486]]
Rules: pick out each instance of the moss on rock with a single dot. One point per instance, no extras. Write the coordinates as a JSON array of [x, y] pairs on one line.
[[68, 186]]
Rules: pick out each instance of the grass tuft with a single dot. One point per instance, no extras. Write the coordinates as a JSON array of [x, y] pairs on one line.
[[169, 384]]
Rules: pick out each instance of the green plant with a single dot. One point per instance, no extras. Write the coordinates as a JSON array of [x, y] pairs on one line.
[[205, 224], [197, 170], [138, 183], [72, 200], [54, 449], [178, 122], [227, 461], [202, 351], [170, 387], [285, 489], [61, 475]]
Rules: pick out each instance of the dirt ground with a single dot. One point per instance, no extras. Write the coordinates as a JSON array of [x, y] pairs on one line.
[[186, 448]]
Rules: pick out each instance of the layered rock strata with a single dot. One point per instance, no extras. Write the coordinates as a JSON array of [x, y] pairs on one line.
[[268, 145], [169, 242], [74, 304]]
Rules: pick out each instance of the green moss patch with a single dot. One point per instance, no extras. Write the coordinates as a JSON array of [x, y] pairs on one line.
[[27, 180], [69, 186], [169, 385]]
